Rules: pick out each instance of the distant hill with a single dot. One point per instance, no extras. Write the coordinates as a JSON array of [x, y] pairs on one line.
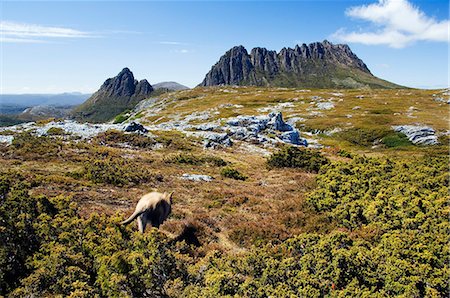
[[17, 103], [170, 86], [115, 96], [317, 65]]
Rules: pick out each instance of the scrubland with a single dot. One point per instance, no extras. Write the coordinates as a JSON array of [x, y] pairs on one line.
[[365, 216]]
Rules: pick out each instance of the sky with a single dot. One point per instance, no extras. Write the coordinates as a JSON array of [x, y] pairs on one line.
[[55, 47]]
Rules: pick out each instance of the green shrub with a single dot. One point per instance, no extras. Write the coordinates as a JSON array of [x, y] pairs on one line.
[[362, 136], [121, 117], [183, 158], [48, 250], [395, 140], [344, 153], [294, 157], [55, 131], [115, 171], [28, 146], [232, 173], [114, 138]]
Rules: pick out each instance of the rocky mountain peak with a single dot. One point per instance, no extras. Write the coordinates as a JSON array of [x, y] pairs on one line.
[[114, 96], [319, 64]]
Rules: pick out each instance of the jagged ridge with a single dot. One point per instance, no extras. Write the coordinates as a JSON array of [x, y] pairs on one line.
[[319, 64]]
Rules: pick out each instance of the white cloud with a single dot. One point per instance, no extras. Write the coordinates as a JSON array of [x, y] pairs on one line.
[[398, 22], [20, 32]]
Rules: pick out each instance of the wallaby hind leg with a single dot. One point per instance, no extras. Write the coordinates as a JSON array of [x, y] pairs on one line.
[[142, 222]]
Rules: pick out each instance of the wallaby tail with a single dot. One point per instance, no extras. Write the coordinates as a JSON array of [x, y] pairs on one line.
[[132, 217]]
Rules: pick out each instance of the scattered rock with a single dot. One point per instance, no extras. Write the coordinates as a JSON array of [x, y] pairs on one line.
[[417, 134], [196, 177], [356, 108]]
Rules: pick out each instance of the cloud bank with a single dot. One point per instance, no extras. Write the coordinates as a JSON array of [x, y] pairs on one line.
[[398, 22]]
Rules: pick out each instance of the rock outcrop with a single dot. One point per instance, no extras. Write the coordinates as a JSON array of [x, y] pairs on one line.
[[115, 96], [418, 135], [255, 129], [319, 64]]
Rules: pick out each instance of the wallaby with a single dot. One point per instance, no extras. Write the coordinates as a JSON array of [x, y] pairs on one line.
[[153, 208]]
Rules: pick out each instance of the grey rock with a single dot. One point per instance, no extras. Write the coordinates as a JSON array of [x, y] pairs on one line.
[[418, 134], [441, 99], [276, 122], [6, 139], [216, 140], [196, 177], [135, 127], [293, 137], [253, 129], [209, 126], [325, 105]]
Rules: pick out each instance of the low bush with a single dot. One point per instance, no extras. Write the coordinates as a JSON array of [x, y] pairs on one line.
[[232, 173], [395, 140], [294, 157], [48, 250], [121, 117], [114, 170], [114, 138], [362, 136], [31, 147], [344, 153], [55, 131], [175, 140], [183, 158]]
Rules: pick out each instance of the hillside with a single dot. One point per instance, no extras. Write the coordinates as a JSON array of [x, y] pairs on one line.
[[362, 209], [317, 65], [115, 96]]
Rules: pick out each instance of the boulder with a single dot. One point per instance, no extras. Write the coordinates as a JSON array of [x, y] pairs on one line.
[[196, 177], [293, 137], [135, 127]]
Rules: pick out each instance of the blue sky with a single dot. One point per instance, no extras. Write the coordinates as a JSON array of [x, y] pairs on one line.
[[52, 47]]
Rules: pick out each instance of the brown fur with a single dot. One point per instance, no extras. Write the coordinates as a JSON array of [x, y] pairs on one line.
[[153, 208]]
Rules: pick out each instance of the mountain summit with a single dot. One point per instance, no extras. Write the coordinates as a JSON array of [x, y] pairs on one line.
[[317, 65], [115, 96]]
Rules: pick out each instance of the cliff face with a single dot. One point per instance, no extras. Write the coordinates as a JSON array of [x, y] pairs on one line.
[[319, 64], [115, 96]]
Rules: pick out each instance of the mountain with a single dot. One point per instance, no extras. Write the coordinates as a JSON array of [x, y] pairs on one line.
[[170, 86], [116, 95], [317, 65]]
